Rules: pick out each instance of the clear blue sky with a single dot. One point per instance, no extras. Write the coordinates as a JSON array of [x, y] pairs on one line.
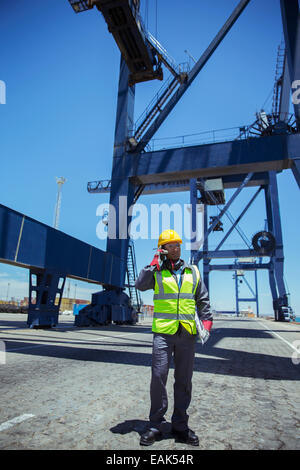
[[61, 74]]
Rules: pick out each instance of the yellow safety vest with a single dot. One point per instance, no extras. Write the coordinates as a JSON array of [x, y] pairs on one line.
[[172, 305]]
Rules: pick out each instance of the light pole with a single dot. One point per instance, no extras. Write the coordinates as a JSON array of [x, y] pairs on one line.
[[60, 181]]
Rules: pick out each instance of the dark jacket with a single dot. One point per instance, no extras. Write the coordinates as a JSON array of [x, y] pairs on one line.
[[146, 281]]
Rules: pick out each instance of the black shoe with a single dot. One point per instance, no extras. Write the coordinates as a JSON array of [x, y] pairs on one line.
[[149, 437], [188, 437]]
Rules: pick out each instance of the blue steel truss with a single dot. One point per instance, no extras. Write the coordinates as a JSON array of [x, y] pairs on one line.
[[132, 166]]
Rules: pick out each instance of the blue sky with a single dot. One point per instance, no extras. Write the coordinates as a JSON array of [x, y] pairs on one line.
[[61, 74]]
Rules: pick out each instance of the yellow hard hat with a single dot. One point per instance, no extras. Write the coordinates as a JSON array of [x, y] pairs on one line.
[[168, 236]]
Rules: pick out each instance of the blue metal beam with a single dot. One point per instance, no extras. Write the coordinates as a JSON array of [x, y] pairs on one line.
[[272, 283], [238, 218], [291, 29], [193, 202], [238, 253], [256, 290], [274, 220], [296, 170], [285, 94], [236, 294], [200, 254], [237, 157], [229, 181], [249, 287], [247, 299], [206, 259], [121, 190], [243, 266], [27, 243]]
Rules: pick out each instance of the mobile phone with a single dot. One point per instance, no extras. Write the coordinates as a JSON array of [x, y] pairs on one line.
[[163, 254]]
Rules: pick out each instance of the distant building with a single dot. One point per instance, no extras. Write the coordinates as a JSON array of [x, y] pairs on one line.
[[147, 310], [9, 302], [67, 304]]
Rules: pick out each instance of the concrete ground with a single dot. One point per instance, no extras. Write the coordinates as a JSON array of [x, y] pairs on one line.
[[88, 388]]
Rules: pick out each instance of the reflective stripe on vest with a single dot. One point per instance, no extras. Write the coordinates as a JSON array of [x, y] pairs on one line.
[[173, 316], [172, 305]]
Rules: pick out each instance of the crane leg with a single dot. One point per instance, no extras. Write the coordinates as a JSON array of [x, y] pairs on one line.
[[45, 293]]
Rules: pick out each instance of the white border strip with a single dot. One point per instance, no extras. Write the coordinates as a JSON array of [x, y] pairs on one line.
[[280, 337], [12, 422]]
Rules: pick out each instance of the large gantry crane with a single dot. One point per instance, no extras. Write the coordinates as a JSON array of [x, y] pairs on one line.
[[267, 147]]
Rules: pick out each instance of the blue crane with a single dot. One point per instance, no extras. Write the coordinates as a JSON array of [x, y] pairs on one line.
[[253, 159]]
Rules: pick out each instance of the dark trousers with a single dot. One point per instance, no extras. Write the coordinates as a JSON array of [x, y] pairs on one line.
[[182, 346]]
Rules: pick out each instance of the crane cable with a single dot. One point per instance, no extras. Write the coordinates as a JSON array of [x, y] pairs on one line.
[[156, 19]]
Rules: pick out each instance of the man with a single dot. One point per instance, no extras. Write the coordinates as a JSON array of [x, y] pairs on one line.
[[179, 295]]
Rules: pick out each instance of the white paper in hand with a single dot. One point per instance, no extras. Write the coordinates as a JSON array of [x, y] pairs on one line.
[[203, 333]]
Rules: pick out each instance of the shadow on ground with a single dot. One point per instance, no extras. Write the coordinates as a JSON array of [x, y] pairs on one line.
[[213, 358]]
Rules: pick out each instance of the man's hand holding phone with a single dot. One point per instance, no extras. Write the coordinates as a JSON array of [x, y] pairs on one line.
[[159, 258]]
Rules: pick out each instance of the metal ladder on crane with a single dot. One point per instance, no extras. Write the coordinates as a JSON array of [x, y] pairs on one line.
[[155, 107], [278, 78], [134, 294], [178, 75]]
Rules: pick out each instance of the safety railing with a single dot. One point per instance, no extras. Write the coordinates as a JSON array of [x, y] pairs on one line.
[[157, 102], [205, 137]]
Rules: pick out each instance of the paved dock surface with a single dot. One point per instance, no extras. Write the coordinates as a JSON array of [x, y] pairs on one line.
[[88, 388]]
